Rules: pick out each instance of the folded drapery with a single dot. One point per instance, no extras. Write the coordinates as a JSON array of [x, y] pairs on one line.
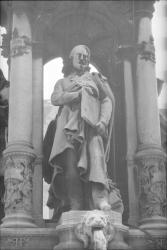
[[90, 108]]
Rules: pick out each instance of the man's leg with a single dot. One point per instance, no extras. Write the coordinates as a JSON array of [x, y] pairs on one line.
[[98, 174], [73, 182]]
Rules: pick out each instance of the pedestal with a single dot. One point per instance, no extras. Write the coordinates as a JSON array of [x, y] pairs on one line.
[[28, 239], [80, 230]]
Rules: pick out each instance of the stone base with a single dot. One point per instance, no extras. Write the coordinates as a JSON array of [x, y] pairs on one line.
[[151, 234], [68, 240], [18, 220], [28, 238], [155, 225]]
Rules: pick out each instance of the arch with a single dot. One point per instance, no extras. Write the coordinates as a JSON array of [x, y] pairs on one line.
[[67, 26]]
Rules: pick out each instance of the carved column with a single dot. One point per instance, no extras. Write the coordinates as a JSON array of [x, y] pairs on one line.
[[38, 131], [150, 156], [19, 155]]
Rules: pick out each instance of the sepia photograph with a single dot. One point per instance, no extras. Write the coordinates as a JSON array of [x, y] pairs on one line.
[[83, 125]]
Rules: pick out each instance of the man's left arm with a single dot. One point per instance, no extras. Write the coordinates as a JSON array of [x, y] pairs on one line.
[[105, 111]]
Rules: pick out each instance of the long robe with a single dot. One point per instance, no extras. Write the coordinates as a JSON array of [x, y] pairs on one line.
[[71, 128]]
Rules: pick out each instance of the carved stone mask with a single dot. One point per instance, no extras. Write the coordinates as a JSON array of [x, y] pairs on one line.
[[80, 56]]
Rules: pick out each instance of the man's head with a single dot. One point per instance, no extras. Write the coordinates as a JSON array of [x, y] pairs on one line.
[[80, 56]]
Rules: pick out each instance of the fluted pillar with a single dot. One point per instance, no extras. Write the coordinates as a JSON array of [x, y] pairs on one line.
[[19, 155], [150, 157], [38, 132]]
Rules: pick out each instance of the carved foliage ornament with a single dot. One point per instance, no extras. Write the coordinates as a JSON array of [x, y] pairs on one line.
[[152, 186], [146, 50], [18, 183], [20, 45], [95, 230]]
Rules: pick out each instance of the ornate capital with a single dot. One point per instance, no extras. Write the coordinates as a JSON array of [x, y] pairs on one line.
[[19, 45], [146, 50], [97, 227], [14, 242], [18, 182], [152, 184]]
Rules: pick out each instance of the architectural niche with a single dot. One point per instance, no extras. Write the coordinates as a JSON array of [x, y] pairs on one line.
[[119, 35]]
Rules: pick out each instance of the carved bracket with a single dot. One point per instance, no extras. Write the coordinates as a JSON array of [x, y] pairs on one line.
[[95, 230], [152, 186]]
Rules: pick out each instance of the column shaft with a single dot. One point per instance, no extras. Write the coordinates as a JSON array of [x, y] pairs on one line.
[[147, 113], [150, 156], [19, 155], [20, 102], [38, 137], [131, 142]]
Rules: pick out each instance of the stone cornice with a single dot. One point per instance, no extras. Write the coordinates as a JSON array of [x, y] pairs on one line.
[[19, 6], [144, 8]]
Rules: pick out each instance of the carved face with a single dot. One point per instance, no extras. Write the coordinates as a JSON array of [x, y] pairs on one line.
[[80, 56], [97, 220]]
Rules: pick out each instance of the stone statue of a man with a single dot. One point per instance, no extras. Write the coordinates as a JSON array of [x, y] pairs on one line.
[[80, 145]]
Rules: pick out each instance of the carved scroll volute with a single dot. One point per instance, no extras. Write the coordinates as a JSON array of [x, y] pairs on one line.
[[95, 230]]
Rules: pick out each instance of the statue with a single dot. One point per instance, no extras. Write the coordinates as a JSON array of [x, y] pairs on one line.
[[78, 152]]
